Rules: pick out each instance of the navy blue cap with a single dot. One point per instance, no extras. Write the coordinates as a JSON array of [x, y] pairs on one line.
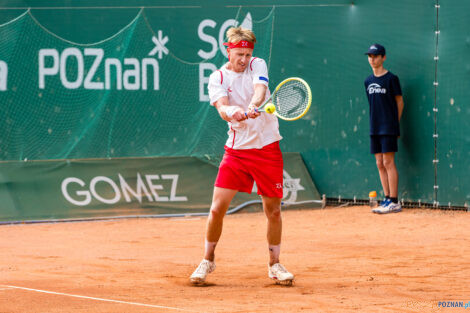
[[376, 49]]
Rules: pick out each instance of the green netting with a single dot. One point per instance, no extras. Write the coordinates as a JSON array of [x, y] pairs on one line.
[[321, 41], [67, 100]]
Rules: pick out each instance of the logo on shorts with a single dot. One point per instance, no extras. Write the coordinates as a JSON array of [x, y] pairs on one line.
[[289, 189], [229, 89]]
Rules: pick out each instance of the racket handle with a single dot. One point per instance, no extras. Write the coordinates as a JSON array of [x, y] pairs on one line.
[[257, 111]]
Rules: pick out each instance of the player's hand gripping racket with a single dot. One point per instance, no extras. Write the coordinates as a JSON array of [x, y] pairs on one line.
[[290, 100]]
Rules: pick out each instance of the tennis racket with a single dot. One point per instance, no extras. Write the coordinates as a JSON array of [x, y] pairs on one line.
[[291, 100]]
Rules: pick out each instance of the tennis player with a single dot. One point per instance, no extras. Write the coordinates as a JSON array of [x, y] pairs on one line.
[[386, 107], [252, 152]]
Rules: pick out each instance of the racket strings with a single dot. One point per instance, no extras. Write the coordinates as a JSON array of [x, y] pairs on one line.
[[291, 99]]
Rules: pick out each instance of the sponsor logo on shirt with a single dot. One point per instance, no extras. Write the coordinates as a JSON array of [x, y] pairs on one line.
[[375, 88]]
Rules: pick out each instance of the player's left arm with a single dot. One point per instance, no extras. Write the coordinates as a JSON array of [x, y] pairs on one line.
[[400, 105], [259, 95], [256, 100], [260, 84]]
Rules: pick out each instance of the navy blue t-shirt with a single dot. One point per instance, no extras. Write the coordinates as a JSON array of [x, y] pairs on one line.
[[383, 109]]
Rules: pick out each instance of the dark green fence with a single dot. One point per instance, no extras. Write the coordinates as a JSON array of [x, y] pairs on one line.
[[49, 112]]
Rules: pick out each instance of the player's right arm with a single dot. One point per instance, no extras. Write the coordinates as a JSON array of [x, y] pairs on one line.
[[218, 95], [228, 112]]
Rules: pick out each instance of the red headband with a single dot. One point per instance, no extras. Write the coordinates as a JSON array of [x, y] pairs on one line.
[[240, 44]]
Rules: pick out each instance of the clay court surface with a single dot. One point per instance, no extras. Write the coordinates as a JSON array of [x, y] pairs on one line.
[[345, 260]]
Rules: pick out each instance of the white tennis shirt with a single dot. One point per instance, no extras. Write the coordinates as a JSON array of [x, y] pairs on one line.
[[239, 88]]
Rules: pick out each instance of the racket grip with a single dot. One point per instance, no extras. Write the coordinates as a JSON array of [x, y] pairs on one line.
[[246, 114]]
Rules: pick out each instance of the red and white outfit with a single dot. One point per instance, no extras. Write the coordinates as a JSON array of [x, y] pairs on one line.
[[252, 150]]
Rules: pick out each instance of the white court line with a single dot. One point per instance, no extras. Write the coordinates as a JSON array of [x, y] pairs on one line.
[[5, 288], [98, 299]]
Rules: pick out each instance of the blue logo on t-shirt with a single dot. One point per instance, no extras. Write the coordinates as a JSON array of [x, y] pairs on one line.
[[375, 88]]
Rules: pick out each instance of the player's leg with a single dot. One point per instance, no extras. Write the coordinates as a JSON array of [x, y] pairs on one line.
[[231, 178], [272, 209], [220, 203], [276, 271], [269, 181]]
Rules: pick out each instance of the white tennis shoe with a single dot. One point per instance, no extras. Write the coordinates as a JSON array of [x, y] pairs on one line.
[[382, 205], [278, 273], [390, 208], [199, 275]]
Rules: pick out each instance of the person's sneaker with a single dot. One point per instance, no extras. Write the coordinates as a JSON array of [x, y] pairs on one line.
[[200, 274], [279, 273], [390, 208], [385, 203]]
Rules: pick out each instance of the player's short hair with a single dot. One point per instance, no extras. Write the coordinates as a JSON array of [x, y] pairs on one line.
[[236, 34]]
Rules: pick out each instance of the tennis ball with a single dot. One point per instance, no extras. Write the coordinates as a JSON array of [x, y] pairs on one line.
[[270, 108]]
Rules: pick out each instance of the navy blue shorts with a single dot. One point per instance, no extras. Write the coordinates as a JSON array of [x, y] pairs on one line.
[[383, 143]]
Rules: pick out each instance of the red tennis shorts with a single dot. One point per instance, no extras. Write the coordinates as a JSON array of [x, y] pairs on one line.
[[240, 168]]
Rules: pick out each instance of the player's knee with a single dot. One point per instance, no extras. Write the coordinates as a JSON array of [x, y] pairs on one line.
[[274, 214], [217, 213]]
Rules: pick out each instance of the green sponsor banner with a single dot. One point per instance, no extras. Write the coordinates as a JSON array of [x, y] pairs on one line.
[[120, 79], [42, 190]]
